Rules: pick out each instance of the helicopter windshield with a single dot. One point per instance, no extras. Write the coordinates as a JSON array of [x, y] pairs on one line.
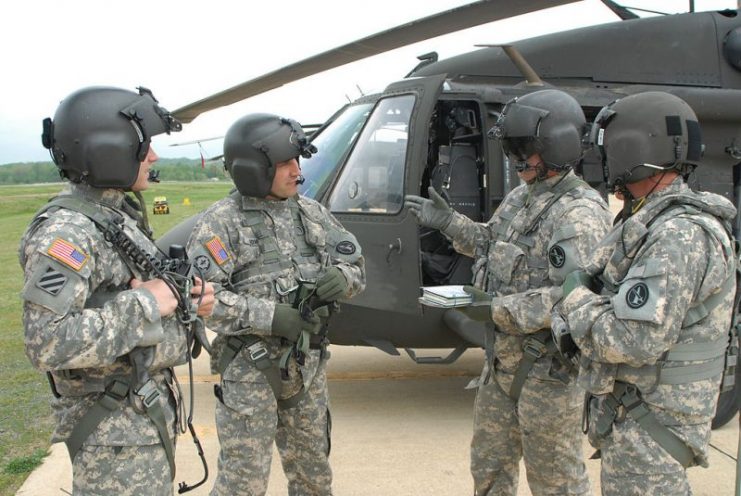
[[332, 145], [373, 179]]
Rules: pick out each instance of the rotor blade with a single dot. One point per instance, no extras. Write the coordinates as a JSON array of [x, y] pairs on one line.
[[622, 12], [452, 20]]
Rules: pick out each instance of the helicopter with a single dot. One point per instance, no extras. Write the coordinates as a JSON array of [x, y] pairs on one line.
[[430, 129]]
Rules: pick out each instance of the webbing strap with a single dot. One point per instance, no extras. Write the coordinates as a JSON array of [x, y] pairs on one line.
[[714, 352], [150, 394], [111, 400], [534, 347], [698, 312], [636, 408], [259, 356]]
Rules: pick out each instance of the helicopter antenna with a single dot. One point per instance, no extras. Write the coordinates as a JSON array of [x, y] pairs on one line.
[[527, 71], [647, 10], [361, 91]]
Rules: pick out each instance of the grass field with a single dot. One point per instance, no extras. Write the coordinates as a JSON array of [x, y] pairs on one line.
[[25, 421]]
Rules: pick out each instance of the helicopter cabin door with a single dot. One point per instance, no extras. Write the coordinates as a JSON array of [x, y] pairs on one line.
[[368, 195]]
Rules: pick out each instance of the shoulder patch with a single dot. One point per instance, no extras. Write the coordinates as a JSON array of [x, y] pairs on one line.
[[345, 247], [52, 281], [217, 250], [68, 254], [637, 295], [557, 256]]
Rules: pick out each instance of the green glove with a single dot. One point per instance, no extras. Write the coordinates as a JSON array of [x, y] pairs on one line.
[[288, 323], [332, 286], [480, 307], [433, 212], [577, 279]]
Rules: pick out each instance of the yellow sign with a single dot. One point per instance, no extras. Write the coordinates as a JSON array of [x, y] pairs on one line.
[[186, 201]]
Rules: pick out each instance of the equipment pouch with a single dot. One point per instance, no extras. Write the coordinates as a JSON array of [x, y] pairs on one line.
[[504, 260]]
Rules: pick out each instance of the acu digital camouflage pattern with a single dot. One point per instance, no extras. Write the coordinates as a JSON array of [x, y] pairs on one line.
[[82, 332], [679, 264], [522, 262], [305, 237]]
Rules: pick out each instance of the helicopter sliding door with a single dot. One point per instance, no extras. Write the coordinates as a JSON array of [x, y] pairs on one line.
[[368, 195]]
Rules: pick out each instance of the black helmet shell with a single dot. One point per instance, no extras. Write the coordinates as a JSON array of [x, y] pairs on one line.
[[100, 135], [547, 122], [645, 133], [255, 143]]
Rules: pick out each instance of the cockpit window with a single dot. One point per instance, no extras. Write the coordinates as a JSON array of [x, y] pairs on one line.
[[333, 143], [373, 178]]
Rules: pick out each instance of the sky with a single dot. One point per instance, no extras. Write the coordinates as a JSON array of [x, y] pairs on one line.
[[184, 50]]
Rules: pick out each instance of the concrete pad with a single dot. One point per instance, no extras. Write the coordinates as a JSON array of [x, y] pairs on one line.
[[398, 428]]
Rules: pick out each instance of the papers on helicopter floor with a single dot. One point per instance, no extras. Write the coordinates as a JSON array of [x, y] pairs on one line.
[[445, 296]]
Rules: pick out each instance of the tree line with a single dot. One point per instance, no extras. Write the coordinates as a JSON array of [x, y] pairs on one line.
[[171, 169]]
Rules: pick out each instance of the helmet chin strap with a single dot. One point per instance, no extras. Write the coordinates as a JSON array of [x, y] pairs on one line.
[[631, 204]]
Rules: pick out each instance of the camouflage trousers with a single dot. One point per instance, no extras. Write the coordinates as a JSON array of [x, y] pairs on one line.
[[633, 464], [543, 426], [121, 470], [248, 422]]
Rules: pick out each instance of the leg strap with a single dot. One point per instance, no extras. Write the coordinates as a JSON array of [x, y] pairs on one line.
[[258, 355], [149, 395], [111, 400], [534, 347], [629, 396]]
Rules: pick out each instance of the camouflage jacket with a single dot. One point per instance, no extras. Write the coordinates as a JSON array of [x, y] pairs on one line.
[[256, 251], [661, 268], [81, 319], [525, 251]]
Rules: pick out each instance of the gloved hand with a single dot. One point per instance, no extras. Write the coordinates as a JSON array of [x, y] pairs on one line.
[[576, 279], [288, 323], [433, 212], [563, 339], [480, 307], [332, 286]]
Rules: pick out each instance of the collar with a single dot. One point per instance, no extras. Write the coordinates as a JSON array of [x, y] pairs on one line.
[[539, 187], [109, 197], [253, 203]]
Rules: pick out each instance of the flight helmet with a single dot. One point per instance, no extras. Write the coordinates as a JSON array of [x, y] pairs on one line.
[[255, 143], [547, 122], [100, 135], [642, 134]]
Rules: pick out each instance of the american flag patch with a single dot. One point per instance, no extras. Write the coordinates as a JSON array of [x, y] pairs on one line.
[[217, 250], [67, 253]]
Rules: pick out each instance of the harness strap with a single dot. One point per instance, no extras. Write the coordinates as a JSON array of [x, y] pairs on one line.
[[149, 395], [271, 259], [713, 352], [534, 347], [628, 396], [111, 400], [259, 356]]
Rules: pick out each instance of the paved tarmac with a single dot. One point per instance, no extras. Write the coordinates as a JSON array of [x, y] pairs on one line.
[[398, 429]]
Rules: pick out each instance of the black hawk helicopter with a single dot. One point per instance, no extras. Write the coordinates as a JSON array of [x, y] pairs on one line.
[[430, 128]]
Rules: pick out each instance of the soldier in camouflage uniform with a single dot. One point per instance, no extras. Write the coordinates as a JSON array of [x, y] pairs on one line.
[[527, 403], [652, 324], [279, 261], [100, 325]]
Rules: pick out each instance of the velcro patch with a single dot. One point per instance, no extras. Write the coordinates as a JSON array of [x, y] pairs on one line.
[[68, 254], [217, 250], [52, 281]]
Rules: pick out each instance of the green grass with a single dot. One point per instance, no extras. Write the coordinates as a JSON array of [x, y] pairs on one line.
[[25, 416]]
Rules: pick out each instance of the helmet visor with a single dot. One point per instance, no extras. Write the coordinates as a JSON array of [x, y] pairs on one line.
[[522, 148]]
